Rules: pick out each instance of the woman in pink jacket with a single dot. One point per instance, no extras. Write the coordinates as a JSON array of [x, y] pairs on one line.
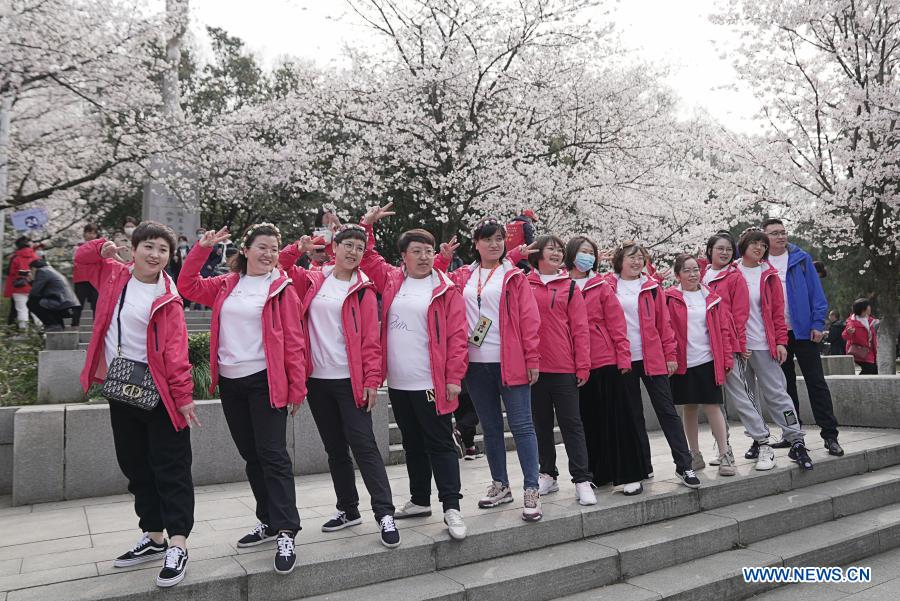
[[504, 358], [703, 336], [565, 367], [652, 346], [760, 364], [860, 331], [257, 357], [139, 316], [345, 371], [423, 334]]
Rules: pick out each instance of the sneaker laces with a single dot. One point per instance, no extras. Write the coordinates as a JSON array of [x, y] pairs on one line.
[[145, 538], [387, 524], [260, 529], [495, 489], [453, 518], [285, 545], [339, 515], [690, 474], [531, 497], [173, 555]]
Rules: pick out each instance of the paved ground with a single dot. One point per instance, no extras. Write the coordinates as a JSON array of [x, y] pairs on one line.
[[70, 540]]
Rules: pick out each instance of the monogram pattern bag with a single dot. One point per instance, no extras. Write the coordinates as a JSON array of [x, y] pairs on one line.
[[129, 382]]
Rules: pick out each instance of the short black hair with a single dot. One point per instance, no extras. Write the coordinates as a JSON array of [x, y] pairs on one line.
[[860, 305], [130, 219], [486, 228], [771, 221], [37, 264], [542, 242], [90, 227], [238, 262], [22, 242], [150, 230], [625, 250], [572, 247], [721, 236], [351, 232], [414, 235], [680, 260], [749, 237]]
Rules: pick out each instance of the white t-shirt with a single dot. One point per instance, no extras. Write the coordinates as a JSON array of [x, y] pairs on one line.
[[627, 292], [241, 351], [581, 282], [711, 273], [699, 349], [328, 347], [489, 351], [408, 360], [135, 318], [547, 278], [756, 329], [781, 264]]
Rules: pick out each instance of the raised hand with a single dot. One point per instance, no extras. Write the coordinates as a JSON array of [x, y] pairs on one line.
[[527, 249], [306, 245], [377, 213], [448, 248], [605, 255], [211, 238], [109, 249]]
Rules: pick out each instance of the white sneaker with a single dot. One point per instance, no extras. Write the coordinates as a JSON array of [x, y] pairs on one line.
[[531, 510], [497, 494], [584, 492], [455, 524], [633, 488], [766, 459], [547, 484], [411, 510]]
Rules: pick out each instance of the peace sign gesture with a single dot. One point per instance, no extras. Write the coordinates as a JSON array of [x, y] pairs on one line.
[[376, 213], [527, 249], [305, 245], [448, 248], [211, 238], [109, 249]]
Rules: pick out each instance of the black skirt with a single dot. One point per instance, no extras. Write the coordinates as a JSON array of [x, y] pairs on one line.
[[613, 442], [697, 386]]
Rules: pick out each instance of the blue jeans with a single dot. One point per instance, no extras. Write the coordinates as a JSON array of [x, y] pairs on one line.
[[484, 383]]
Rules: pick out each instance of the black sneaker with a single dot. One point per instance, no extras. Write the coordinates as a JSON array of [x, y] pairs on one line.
[[781, 444], [259, 535], [144, 550], [341, 520], [473, 453], [174, 567], [688, 478], [834, 448], [390, 536], [798, 453], [753, 451], [458, 444], [285, 557]]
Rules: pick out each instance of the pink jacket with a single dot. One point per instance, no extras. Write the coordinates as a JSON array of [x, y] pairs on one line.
[[730, 286], [772, 301], [283, 341], [564, 334], [657, 338], [167, 343], [447, 336], [862, 336], [359, 318], [718, 323], [606, 322], [520, 321]]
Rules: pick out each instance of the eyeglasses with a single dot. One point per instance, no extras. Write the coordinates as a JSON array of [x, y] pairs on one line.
[[759, 243], [353, 248], [777, 234], [722, 249], [695, 270], [419, 253]]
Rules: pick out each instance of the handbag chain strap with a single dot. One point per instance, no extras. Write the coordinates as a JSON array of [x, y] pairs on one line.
[[119, 320]]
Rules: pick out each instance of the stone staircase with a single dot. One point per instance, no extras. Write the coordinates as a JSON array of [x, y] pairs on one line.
[[669, 543]]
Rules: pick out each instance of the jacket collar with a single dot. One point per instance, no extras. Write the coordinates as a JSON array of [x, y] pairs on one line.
[[597, 280], [361, 280], [562, 274]]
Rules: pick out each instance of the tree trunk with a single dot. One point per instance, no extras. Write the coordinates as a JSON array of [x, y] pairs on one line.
[[889, 312]]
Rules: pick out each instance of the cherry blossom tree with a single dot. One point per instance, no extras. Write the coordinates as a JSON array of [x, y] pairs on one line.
[[826, 73]]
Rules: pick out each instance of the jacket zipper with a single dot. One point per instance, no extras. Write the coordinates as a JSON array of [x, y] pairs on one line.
[[353, 312], [155, 337], [437, 326], [552, 297]]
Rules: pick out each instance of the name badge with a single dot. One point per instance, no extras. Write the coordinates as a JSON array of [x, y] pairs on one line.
[[480, 332]]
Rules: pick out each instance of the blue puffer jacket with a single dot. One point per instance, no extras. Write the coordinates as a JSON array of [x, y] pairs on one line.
[[805, 295]]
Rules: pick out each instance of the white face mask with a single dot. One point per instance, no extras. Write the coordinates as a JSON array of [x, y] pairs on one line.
[[128, 229]]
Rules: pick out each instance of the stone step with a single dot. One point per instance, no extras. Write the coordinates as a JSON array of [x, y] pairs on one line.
[[570, 550], [398, 456], [693, 556]]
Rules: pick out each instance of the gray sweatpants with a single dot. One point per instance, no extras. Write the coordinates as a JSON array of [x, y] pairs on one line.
[[740, 386]]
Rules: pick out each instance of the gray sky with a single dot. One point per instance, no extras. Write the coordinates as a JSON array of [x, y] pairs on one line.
[[676, 33]]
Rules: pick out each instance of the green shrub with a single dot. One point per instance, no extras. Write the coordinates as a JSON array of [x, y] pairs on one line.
[[198, 354], [19, 365]]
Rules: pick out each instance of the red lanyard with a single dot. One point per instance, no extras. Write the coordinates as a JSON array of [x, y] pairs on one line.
[[481, 285]]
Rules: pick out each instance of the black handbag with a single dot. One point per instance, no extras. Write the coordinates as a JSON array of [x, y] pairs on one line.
[[129, 382]]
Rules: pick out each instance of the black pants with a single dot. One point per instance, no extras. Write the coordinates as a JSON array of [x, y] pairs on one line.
[[156, 460], [48, 317], [868, 369], [559, 393], [428, 445], [342, 424], [615, 452], [85, 293], [661, 398], [807, 354], [466, 418], [258, 430]]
